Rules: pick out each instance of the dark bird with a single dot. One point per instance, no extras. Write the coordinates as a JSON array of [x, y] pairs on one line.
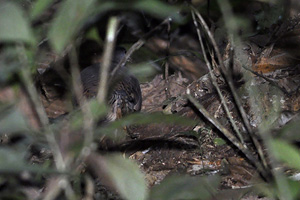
[[124, 92]]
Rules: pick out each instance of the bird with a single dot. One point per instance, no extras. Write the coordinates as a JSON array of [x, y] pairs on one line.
[[124, 92]]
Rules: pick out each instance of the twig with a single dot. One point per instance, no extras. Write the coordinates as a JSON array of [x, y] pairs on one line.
[[242, 147], [267, 79], [232, 89], [227, 13], [88, 121], [136, 46], [55, 185], [89, 189], [34, 98], [230, 117], [109, 48], [167, 90], [32, 105]]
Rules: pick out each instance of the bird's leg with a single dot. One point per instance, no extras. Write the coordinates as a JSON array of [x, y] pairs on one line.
[[119, 113], [118, 107]]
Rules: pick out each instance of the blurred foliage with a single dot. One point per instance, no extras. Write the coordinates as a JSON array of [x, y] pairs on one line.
[[10, 64], [38, 7], [16, 34], [62, 30], [270, 15], [17, 28], [67, 26], [288, 132], [126, 176], [286, 152], [186, 187], [12, 121]]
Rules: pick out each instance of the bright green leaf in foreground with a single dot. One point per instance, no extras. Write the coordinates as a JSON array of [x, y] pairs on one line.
[[127, 178], [286, 152], [38, 7], [14, 26], [294, 187], [69, 18]]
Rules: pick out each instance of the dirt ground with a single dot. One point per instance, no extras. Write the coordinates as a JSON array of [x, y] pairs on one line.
[[164, 149]]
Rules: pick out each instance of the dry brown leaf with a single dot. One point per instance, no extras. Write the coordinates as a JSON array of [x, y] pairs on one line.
[[270, 64]]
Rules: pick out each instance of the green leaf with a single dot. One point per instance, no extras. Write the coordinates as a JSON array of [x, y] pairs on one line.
[[67, 22], [76, 119], [219, 141], [158, 117], [145, 118], [127, 178], [286, 152], [9, 158], [155, 8], [14, 25], [142, 70], [93, 35], [8, 62], [186, 187], [158, 9], [291, 131], [38, 7], [12, 121], [14, 161], [285, 188], [98, 110], [294, 187]]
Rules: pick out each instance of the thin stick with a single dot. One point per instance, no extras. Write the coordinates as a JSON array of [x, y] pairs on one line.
[[227, 13], [231, 86], [108, 51], [242, 147], [89, 188], [88, 121], [167, 90], [39, 109], [223, 101], [136, 46], [268, 80]]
